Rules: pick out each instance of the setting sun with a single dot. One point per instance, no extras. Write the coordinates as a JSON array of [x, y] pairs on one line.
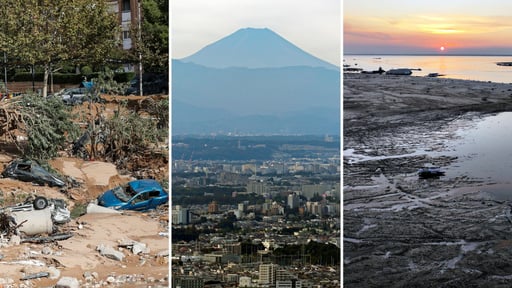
[[441, 48]]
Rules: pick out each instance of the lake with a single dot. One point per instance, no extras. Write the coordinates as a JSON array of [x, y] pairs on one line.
[[482, 68]]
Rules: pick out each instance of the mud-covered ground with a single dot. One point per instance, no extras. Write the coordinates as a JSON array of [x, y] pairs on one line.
[[402, 231]]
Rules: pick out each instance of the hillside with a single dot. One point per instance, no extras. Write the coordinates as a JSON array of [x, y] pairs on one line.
[[265, 100]]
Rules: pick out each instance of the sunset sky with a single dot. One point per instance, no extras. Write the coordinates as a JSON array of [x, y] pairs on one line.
[[427, 27]]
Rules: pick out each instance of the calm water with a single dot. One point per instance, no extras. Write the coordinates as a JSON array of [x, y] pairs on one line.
[[484, 146], [482, 68], [485, 151]]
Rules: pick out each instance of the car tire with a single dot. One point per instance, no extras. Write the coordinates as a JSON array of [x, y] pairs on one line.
[[40, 203]]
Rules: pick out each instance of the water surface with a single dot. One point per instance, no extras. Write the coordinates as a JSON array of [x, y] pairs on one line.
[[484, 151], [481, 68]]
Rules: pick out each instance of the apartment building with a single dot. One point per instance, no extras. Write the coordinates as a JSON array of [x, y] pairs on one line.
[[128, 16]]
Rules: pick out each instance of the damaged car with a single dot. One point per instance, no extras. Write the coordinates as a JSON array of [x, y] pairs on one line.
[[36, 215], [30, 171], [137, 195]]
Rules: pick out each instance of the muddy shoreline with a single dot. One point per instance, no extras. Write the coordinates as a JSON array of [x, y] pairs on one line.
[[402, 231]]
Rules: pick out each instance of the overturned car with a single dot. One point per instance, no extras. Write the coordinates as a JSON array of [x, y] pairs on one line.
[[36, 215], [30, 171]]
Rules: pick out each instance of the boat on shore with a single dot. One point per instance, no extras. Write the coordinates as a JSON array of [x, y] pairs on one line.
[[400, 71], [430, 172]]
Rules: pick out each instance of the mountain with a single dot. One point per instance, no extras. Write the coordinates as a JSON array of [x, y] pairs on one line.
[[295, 93], [254, 48]]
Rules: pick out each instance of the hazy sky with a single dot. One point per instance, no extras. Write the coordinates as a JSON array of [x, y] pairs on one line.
[[312, 25], [420, 26]]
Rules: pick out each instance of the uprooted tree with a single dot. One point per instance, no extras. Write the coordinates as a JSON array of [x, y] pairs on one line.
[[41, 127]]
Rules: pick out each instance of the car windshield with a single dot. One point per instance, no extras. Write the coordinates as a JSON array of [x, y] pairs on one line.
[[124, 193], [121, 194]]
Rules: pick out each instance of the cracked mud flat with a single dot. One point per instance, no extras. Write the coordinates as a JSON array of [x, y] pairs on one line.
[[402, 231]]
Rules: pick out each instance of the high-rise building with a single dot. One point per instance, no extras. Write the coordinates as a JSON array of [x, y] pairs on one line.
[[293, 201], [128, 16], [267, 274], [259, 188], [180, 215]]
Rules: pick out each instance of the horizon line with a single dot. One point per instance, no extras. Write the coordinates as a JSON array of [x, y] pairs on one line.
[[426, 54]]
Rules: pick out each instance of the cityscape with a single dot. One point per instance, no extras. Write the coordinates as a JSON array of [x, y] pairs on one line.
[[267, 216]]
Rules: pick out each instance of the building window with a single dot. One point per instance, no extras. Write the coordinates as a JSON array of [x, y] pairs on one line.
[[126, 35], [126, 5]]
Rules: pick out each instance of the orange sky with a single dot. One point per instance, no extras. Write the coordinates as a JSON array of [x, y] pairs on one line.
[[422, 27]]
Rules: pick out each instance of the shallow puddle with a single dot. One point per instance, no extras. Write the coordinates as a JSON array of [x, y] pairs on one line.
[[484, 151]]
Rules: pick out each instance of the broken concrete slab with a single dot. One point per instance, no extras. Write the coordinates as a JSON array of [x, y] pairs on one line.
[[68, 282], [110, 252], [94, 208]]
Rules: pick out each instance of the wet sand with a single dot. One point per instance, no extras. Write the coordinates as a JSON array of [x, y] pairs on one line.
[[402, 231]]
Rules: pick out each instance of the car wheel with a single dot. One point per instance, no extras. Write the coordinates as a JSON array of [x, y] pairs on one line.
[[40, 203]]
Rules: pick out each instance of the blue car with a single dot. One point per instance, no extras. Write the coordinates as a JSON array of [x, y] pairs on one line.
[[137, 195]]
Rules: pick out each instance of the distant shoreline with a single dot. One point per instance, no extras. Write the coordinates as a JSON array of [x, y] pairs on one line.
[[432, 54]]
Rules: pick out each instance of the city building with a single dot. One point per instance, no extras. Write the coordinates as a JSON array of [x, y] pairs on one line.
[[242, 207], [180, 215], [259, 188], [291, 283], [128, 16], [267, 274], [213, 207], [293, 201], [187, 282], [245, 281]]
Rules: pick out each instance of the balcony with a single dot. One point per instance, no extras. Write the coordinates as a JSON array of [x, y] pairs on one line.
[[127, 43], [126, 16]]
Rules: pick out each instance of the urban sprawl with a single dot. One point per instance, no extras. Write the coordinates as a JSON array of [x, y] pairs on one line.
[[257, 223]]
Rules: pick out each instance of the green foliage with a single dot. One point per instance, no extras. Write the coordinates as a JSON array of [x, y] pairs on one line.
[[122, 77], [160, 109], [44, 32], [48, 124], [154, 36], [86, 70], [69, 78], [105, 83], [128, 134], [78, 210]]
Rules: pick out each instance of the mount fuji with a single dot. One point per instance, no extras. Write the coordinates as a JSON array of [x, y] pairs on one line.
[[254, 48], [255, 82]]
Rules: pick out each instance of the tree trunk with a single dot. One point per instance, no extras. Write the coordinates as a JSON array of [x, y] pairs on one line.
[[45, 79]]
